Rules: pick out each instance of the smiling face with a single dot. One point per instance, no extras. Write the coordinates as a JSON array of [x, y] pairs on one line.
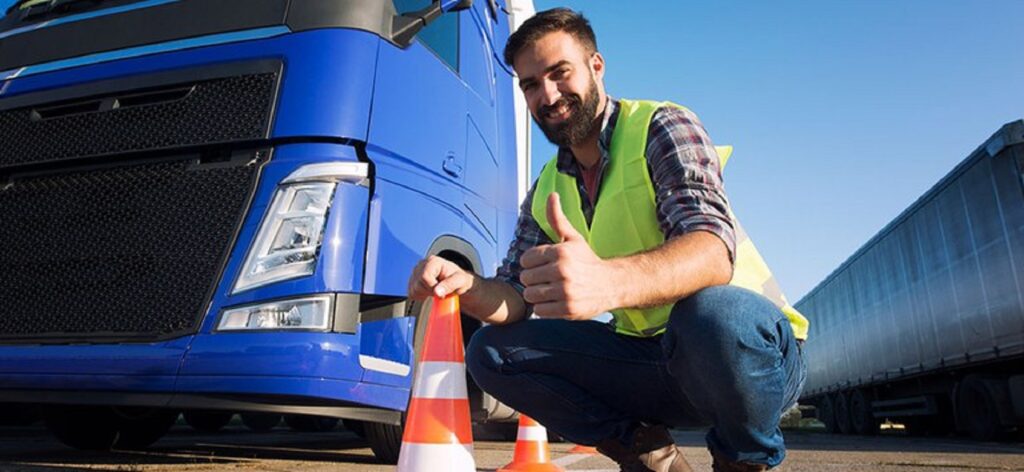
[[562, 82]]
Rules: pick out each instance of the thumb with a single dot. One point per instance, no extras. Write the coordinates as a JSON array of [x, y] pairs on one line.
[[563, 228]]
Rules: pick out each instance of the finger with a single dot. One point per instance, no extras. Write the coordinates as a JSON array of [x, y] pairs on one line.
[[538, 256], [551, 310], [544, 274], [559, 223], [544, 293], [458, 283]]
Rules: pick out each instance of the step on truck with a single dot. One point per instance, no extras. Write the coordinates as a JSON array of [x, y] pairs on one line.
[[924, 325], [213, 207]]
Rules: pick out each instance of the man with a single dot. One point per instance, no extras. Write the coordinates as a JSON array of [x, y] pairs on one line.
[[630, 217]]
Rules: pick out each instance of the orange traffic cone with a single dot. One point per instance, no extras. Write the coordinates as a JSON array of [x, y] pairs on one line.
[[531, 454], [438, 434], [581, 449]]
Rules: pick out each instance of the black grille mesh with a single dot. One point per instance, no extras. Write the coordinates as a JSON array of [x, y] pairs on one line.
[[216, 111], [127, 251]]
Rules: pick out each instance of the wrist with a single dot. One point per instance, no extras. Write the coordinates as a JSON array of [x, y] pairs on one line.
[[619, 283]]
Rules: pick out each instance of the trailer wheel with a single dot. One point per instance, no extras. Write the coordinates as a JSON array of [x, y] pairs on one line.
[[861, 418], [310, 424], [842, 412], [85, 428], [977, 409], [260, 422], [207, 421], [827, 414]]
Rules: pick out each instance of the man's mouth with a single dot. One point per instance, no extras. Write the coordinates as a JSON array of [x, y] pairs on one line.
[[558, 113]]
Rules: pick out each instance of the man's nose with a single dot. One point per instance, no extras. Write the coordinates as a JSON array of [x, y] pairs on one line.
[[551, 92]]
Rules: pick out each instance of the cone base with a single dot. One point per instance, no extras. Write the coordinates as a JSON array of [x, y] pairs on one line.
[[531, 467], [580, 449]]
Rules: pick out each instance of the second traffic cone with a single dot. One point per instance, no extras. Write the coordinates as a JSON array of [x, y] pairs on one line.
[[438, 434], [531, 454]]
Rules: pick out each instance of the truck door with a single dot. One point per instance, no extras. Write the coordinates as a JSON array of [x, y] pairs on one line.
[[417, 143]]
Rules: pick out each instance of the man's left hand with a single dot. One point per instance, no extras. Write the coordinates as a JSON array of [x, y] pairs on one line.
[[566, 279]]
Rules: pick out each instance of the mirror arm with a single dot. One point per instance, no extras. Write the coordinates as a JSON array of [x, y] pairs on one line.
[[405, 26]]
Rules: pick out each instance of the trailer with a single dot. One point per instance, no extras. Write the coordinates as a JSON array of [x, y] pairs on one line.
[[924, 324]]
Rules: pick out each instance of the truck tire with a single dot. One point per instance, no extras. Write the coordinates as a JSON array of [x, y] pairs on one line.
[[862, 420], [100, 428], [260, 422], [842, 412], [207, 421], [977, 409], [138, 428], [310, 424], [89, 428], [826, 413]]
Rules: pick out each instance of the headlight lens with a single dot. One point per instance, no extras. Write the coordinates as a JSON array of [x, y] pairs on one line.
[[310, 313], [288, 241]]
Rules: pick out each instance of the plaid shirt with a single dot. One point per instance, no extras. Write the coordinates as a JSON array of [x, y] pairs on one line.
[[687, 179]]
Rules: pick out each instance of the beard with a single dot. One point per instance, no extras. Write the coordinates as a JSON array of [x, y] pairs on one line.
[[580, 123]]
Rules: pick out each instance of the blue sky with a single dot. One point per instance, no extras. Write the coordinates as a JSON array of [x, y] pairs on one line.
[[842, 112]]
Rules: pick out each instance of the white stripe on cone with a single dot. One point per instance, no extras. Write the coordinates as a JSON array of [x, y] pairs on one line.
[[436, 457], [441, 380], [532, 433]]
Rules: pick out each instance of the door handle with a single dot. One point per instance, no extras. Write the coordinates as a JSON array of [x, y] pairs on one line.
[[451, 167]]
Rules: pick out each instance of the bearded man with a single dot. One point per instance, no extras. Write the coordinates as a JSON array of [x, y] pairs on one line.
[[630, 218]]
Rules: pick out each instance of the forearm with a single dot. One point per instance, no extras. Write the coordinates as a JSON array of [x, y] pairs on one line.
[[677, 269], [493, 301]]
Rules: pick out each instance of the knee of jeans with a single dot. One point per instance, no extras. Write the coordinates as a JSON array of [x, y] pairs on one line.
[[717, 317], [482, 355]]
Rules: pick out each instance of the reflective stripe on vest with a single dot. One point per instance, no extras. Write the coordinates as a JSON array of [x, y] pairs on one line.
[[625, 219]]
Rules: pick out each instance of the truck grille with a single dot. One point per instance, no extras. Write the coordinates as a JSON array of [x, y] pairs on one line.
[[125, 252], [214, 111]]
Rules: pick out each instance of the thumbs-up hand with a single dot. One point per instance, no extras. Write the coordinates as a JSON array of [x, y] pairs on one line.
[[566, 279]]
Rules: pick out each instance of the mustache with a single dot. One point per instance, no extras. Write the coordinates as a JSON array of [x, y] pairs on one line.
[[572, 102]]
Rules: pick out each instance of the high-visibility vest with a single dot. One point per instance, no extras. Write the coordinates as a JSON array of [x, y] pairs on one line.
[[625, 220]]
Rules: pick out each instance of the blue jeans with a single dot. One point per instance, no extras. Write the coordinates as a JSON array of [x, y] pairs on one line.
[[728, 360]]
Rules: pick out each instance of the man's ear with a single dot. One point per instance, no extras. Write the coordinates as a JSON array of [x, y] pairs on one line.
[[597, 65]]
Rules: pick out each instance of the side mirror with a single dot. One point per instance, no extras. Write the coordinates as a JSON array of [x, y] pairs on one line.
[[405, 26]]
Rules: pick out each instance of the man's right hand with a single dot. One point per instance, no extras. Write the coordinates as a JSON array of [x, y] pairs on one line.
[[437, 276]]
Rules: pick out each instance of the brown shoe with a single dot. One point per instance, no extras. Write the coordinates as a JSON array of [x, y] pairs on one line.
[[720, 464], [653, 450]]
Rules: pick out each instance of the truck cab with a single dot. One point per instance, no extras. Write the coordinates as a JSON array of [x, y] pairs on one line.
[[214, 207]]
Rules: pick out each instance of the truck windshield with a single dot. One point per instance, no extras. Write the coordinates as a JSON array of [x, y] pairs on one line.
[[40, 9]]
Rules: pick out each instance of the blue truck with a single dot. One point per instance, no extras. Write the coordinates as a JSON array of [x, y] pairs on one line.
[[213, 206]]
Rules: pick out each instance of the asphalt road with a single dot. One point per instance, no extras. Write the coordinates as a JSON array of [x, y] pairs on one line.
[[31, 448]]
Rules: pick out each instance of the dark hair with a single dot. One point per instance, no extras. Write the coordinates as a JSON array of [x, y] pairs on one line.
[[549, 21]]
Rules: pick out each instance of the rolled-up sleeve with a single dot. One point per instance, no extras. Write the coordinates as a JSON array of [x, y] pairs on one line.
[[687, 177], [528, 235]]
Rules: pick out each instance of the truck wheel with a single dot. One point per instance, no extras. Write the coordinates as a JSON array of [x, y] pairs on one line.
[[861, 418], [978, 410], [826, 413], [260, 422], [207, 421], [356, 426], [138, 428], [310, 424], [842, 412], [85, 428]]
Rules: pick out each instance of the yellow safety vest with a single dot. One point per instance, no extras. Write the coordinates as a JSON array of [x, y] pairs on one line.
[[625, 219]]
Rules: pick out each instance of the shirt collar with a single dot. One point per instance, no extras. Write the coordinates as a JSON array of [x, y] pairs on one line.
[[566, 162]]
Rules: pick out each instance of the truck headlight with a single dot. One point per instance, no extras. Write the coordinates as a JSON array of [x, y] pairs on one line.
[[288, 241], [309, 313]]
